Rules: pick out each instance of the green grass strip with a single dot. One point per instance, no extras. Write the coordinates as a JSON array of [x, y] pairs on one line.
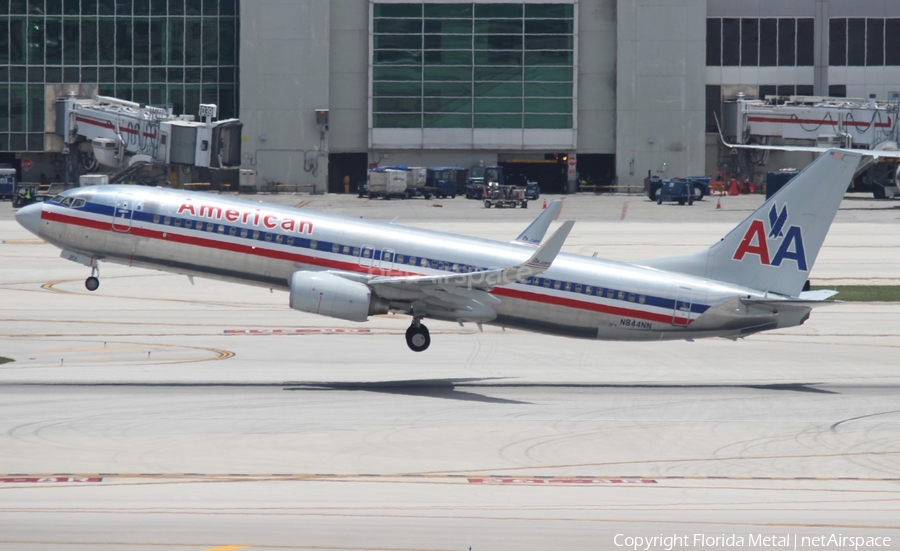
[[863, 293], [5, 360]]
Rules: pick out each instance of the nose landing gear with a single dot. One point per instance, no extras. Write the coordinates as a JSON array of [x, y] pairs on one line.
[[417, 337]]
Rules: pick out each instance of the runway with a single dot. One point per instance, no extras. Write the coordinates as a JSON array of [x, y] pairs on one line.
[[157, 414]]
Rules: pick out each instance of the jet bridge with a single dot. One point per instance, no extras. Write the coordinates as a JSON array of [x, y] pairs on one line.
[[825, 121], [118, 133]]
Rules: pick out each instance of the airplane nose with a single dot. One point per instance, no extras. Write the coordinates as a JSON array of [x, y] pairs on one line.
[[29, 217]]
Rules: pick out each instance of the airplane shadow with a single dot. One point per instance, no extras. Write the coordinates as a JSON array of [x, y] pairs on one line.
[[450, 389]]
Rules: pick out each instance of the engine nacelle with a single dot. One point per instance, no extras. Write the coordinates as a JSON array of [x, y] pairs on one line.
[[331, 295]]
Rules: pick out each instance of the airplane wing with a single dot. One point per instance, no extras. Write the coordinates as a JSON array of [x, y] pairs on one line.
[[535, 231], [540, 261]]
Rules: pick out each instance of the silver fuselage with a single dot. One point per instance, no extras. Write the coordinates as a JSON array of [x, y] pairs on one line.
[[263, 244]]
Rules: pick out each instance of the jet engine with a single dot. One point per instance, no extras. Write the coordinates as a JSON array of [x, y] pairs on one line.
[[332, 295]]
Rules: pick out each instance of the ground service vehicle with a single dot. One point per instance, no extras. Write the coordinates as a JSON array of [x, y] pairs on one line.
[[680, 191], [7, 183], [500, 196], [446, 181], [699, 186]]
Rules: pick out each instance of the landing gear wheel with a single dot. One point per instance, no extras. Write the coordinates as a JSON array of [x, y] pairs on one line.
[[487, 204], [417, 337], [91, 283]]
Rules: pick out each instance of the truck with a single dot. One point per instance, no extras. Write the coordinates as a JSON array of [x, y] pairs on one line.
[[446, 181], [699, 185], [676, 190], [386, 183], [7, 184]]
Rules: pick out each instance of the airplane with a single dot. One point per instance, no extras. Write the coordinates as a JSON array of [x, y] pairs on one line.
[[751, 280]]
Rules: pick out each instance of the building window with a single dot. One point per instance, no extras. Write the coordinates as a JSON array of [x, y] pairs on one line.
[[752, 42], [473, 65], [861, 42]]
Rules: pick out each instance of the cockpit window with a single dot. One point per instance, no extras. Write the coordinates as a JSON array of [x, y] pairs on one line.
[[68, 201]]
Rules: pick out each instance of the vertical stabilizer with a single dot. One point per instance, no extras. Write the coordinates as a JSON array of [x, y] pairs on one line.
[[774, 249]]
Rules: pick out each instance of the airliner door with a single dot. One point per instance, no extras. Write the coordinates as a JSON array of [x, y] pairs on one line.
[[123, 213], [681, 316]]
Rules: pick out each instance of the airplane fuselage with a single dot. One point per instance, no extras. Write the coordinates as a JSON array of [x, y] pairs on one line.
[[263, 244]]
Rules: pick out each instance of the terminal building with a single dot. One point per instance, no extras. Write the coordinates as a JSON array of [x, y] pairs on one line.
[[607, 89]]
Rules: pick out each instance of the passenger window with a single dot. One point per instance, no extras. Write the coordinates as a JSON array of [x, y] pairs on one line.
[[556, 284], [232, 231], [167, 221], [221, 228], [568, 287], [178, 222], [610, 293], [588, 290], [243, 233], [255, 234], [335, 248], [621, 295], [412, 261], [312, 243], [268, 237], [578, 288], [642, 299], [399, 259], [156, 219], [210, 227], [355, 251], [547, 283], [290, 241], [279, 239], [631, 297], [424, 263], [346, 249]]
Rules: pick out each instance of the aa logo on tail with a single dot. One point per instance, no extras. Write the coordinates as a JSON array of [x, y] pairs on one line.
[[788, 243]]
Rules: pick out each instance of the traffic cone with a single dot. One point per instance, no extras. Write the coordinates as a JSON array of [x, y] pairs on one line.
[[545, 204], [719, 203]]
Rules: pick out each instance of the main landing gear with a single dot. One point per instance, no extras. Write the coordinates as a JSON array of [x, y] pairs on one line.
[[93, 283], [417, 337]]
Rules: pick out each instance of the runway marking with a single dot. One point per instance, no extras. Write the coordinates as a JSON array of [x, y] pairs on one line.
[[304, 331], [471, 479], [16, 480], [51, 286], [218, 353], [555, 480], [228, 548]]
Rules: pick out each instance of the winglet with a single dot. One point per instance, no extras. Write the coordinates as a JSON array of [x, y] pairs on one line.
[[535, 231], [544, 256]]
